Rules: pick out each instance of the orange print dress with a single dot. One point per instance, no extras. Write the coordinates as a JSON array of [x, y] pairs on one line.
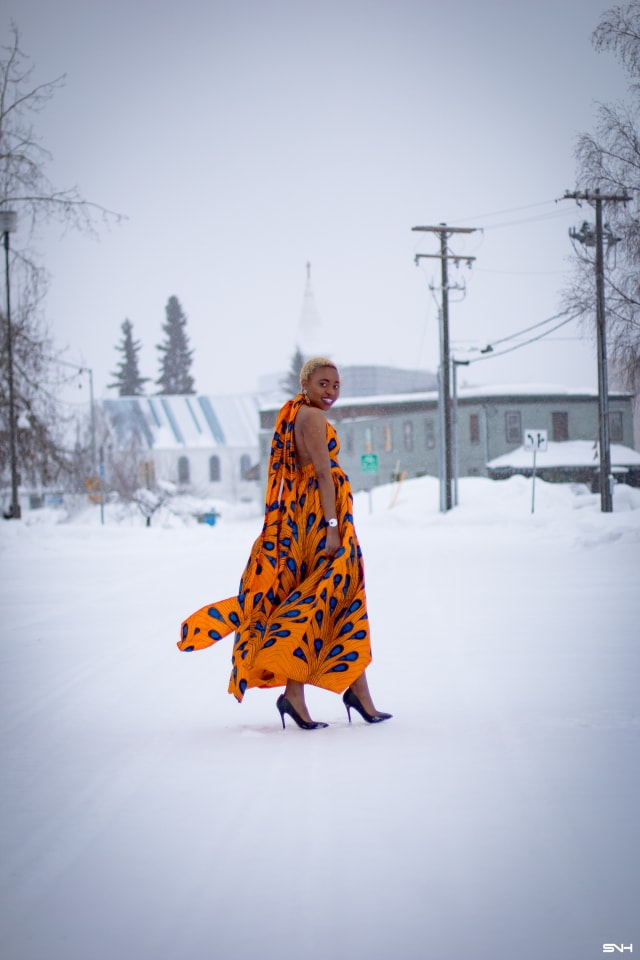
[[298, 614]]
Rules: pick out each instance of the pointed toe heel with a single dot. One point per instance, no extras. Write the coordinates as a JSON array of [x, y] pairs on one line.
[[350, 700], [286, 707]]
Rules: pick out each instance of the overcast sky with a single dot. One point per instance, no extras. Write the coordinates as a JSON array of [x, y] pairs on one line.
[[242, 139]]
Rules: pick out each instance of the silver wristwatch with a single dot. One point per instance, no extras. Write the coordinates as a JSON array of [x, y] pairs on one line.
[[332, 523]]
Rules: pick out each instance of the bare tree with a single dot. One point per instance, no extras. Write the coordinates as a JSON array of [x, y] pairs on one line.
[[609, 160], [128, 472], [24, 184], [25, 188]]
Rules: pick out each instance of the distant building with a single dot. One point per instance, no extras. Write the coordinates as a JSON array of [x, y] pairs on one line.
[[402, 430], [203, 444], [218, 446], [367, 380], [372, 380], [210, 444]]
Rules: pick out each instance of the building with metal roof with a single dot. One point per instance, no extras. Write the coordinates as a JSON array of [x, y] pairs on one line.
[[384, 436], [207, 444]]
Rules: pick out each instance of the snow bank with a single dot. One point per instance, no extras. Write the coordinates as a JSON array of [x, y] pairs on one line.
[[147, 816]]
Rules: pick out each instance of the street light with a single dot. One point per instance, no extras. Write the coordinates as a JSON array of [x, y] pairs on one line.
[[8, 223], [94, 460]]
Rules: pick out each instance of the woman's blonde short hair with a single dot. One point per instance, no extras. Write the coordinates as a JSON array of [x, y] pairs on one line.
[[313, 364]]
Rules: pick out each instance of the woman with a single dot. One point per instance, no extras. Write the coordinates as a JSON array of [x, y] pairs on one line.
[[300, 615]]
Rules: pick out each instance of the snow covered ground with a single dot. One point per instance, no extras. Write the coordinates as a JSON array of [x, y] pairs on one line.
[[148, 816]]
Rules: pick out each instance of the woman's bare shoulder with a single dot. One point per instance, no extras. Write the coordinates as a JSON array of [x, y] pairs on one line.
[[310, 416]]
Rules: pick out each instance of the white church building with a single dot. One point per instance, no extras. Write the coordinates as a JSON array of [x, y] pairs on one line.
[[205, 444]]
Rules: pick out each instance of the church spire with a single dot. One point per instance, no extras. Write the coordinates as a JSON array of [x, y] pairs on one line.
[[309, 326]]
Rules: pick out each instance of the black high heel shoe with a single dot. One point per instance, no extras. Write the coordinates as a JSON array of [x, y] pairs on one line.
[[350, 700], [285, 706]]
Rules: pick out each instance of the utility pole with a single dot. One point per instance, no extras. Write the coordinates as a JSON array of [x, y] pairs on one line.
[[445, 354], [597, 199], [8, 221]]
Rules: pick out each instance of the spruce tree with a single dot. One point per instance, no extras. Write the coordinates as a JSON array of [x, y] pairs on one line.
[[175, 355], [128, 382], [291, 383]]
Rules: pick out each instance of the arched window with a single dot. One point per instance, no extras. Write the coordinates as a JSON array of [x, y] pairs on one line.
[[245, 465], [184, 471], [214, 469]]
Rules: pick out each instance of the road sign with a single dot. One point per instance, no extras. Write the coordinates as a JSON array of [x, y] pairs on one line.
[[369, 463], [535, 439]]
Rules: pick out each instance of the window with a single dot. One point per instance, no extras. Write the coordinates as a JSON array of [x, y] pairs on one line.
[[214, 469], [349, 441], [245, 466], [615, 426], [430, 434], [559, 426], [388, 437], [148, 474], [183, 470], [368, 440], [474, 428], [513, 427], [407, 433]]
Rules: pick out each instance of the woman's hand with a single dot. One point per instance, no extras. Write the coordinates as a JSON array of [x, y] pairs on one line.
[[333, 542]]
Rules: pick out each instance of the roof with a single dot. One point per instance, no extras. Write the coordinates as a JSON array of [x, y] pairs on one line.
[[569, 453], [170, 422], [515, 391], [519, 391]]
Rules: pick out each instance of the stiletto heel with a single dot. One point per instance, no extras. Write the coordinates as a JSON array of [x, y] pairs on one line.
[[285, 706], [350, 700]]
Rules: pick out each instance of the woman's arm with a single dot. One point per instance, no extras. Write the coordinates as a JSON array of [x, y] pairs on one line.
[[313, 434]]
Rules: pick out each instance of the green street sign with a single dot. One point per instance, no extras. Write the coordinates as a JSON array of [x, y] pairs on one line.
[[369, 463]]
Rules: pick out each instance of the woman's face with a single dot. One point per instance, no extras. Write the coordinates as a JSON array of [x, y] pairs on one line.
[[323, 387]]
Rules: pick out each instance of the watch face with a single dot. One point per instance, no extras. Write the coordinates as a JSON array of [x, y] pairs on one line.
[[332, 523]]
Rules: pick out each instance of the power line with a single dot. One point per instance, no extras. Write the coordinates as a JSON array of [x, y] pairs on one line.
[[524, 273], [490, 353], [534, 326], [500, 213], [517, 223]]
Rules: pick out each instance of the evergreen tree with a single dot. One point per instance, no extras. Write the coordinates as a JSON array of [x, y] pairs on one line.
[[291, 383], [175, 355], [129, 383]]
